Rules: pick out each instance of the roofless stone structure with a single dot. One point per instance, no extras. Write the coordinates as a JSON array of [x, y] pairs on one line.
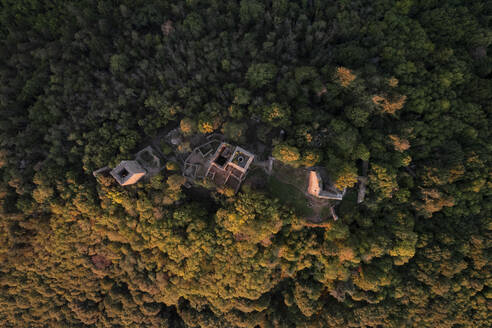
[[315, 188], [128, 172], [229, 165]]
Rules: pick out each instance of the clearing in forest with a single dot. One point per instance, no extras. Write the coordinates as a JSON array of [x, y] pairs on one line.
[[289, 184]]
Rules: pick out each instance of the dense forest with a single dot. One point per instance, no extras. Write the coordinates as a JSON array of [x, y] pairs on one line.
[[403, 87]]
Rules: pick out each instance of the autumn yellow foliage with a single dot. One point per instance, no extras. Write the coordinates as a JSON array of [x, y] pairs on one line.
[[311, 158], [383, 181], [393, 82], [400, 144], [407, 160], [274, 113], [346, 254], [345, 76], [286, 153], [226, 191], [187, 126], [347, 178], [389, 105], [434, 201], [205, 127]]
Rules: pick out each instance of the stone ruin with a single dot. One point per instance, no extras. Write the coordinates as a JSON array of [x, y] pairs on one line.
[[317, 189], [128, 172], [220, 162]]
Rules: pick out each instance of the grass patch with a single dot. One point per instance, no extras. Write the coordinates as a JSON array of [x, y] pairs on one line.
[[295, 176], [257, 172], [290, 196], [256, 179], [325, 212]]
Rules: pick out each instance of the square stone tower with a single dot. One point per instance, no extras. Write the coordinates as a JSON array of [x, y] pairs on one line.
[[128, 172]]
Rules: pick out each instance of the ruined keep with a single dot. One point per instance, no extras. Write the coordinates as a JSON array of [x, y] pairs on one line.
[[229, 165], [315, 188], [128, 172]]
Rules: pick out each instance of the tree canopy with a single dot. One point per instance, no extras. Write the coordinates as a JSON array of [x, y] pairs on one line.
[[398, 93]]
